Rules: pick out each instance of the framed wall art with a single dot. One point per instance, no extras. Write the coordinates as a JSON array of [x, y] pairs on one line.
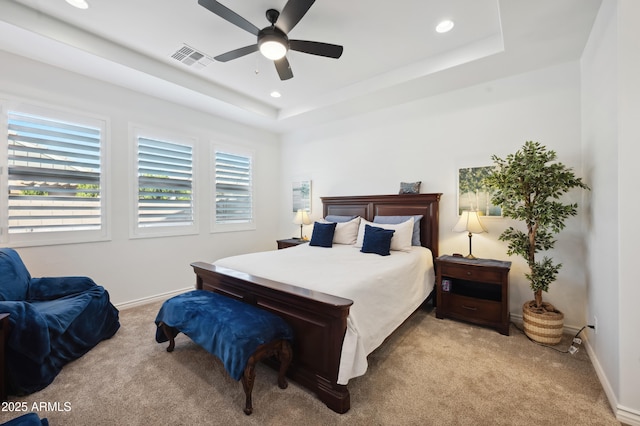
[[301, 191], [473, 194]]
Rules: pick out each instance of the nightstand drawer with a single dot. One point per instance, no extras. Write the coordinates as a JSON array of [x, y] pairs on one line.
[[470, 273], [480, 310]]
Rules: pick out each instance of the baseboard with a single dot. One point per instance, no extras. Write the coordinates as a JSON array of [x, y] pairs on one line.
[[628, 416], [145, 300], [623, 414]]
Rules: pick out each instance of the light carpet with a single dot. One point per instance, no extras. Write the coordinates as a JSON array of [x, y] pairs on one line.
[[430, 372]]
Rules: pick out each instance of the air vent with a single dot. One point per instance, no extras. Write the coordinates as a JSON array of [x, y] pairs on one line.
[[191, 57]]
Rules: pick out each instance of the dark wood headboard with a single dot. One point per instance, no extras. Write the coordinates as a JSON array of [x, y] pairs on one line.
[[369, 206]]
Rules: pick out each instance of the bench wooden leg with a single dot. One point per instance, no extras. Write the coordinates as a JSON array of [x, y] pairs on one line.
[[170, 335], [279, 348], [284, 356], [248, 378]]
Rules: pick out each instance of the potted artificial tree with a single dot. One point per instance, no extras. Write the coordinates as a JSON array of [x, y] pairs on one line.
[[528, 186]]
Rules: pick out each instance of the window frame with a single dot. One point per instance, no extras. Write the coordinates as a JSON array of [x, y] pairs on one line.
[[67, 115], [232, 227], [137, 131]]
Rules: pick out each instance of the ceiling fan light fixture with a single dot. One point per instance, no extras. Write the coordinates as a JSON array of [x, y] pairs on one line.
[[272, 49], [80, 4], [273, 43]]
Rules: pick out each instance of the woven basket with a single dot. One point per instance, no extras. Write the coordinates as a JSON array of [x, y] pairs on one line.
[[543, 327]]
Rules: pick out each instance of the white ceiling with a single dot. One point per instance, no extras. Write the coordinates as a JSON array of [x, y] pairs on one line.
[[392, 53]]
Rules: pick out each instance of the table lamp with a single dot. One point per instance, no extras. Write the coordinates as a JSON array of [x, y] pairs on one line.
[[469, 221], [302, 218]]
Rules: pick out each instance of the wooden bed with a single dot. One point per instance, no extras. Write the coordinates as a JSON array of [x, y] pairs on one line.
[[319, 320]]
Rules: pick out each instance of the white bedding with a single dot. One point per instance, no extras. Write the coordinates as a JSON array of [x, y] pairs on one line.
[[385, 289]]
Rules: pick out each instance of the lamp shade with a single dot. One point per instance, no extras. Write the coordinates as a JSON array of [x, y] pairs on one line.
[[302, 218], [470, 222]]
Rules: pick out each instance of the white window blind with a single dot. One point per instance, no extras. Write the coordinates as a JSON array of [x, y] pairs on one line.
[[53, 175], [234, 194], [165, 183]]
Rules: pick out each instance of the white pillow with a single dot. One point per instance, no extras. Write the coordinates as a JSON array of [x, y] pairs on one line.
[[401, 239], [346, 232]]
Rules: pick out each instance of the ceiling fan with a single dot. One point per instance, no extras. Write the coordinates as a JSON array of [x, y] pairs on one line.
[[272, 40]]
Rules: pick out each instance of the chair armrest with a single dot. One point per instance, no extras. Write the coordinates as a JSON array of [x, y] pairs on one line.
[[49, 288], [29, 332]]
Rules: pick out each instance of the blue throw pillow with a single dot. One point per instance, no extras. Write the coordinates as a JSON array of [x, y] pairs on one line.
[[322, 235], [377, 240]]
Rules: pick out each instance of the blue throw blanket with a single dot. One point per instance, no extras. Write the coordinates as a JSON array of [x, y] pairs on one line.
[[227, 328], [53, 321]]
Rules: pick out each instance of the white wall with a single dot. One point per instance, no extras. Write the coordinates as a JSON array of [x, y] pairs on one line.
[[610, 68], [430, 139], [600, 140], [141, 268], [629, 176]]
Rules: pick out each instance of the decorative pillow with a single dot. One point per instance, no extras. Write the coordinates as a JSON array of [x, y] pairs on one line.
[[415, 238], [401, 239], [410, 187], [339, 219], [377, 240], [347, 232], [322, 235]]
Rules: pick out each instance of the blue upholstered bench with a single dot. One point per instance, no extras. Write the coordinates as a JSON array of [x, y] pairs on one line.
[[238, 333]]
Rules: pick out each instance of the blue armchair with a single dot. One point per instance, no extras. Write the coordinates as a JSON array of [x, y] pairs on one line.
[[52, 321]]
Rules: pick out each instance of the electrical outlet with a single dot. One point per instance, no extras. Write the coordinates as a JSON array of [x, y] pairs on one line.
[[595, 324]]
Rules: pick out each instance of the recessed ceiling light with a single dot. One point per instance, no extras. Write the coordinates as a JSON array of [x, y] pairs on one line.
[[80, 4], [275, 94], [444, 26]]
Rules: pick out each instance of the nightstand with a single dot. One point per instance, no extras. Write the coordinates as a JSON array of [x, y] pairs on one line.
[[290, 242], [474, 290]]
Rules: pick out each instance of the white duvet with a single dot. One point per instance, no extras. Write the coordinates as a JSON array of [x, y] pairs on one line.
[[385, 289]]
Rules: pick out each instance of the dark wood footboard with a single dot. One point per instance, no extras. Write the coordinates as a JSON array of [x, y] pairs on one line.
[[319, 322]]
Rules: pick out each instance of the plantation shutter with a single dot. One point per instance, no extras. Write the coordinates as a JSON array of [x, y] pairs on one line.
[[53, 175], [234, 202], [165, 183]]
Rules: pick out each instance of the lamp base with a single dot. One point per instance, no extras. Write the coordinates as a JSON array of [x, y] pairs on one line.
[[470, 256]]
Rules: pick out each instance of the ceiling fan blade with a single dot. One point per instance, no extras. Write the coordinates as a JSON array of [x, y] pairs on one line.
[[292, 13], [283, 68], [316, 48], [229, 15], [237, 53]]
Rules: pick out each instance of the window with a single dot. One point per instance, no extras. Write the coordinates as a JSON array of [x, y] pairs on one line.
[[54, 183], [234, 191], [164, 196]]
